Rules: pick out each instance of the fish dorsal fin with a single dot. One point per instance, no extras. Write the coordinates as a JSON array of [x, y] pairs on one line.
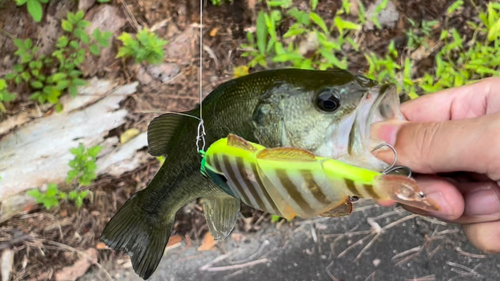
[[286, 154], [239, 142], [160, 130]]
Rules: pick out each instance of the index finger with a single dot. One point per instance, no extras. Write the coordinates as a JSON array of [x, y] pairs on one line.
[[468, 101]]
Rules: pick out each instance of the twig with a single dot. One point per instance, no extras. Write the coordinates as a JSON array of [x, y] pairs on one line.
[[359, 242], [216, 260], [237, 266], [313, 233], [71, 249], [367, 246], [372, 276], [431, 220], [424, 278], [130, 16], [462, 252], [327, 269], [468, 271], [415, 251], [252, 256]]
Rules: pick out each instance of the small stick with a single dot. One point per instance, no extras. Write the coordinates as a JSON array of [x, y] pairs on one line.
[[237, 266]]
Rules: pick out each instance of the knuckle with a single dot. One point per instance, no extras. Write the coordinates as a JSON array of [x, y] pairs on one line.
[[426, 143]]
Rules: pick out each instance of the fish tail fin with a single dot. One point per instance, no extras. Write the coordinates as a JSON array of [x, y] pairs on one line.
[[143, 239]]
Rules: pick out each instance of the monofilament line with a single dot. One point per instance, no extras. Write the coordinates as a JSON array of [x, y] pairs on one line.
[[201, 127]]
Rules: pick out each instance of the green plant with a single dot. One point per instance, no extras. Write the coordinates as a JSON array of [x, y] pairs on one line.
[[53, 195], [5, 96], [308, 43], [145, 47], [34, 7], [219, 2], [83, 168], [275, 218], [49, 76], [83, 165], [413, 39]]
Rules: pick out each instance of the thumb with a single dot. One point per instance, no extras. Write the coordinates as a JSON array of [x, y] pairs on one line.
[[434, 147]]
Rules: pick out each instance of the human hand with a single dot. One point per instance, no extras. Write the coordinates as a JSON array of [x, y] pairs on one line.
[[451, 139]]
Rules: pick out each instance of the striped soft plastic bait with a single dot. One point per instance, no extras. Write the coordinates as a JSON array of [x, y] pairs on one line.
[[293, 182]]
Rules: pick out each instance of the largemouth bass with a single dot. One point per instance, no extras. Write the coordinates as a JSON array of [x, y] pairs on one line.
[[328, 113]]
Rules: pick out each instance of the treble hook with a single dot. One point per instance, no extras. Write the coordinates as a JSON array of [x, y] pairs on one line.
[[393, 168]]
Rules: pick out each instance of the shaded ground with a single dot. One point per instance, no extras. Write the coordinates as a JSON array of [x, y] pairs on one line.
[[409, 248], [292, 251]]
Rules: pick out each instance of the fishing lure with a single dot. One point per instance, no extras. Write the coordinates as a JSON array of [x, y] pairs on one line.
[[293, 182]]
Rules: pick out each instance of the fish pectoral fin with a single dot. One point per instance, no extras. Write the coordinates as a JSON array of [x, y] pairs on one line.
[[160, 131], [239, 142], [221, 213], [286, 154], [341, 210]]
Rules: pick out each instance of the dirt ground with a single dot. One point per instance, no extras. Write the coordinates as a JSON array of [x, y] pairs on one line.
[[45, 242]]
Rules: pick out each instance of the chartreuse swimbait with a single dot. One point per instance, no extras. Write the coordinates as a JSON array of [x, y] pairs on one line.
[[293, 182]]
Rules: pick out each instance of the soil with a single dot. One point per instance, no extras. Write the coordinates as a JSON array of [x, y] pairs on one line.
[[32, 235]]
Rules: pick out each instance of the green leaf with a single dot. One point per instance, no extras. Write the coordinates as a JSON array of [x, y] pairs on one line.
[[78, 202], [83, 24], [18, 67], [261, 32], [73, 90], [58, 77], [35, 193], [59, 107], [93, 151], [26, 76], [94, 49], [79, 15], [96, 34], [20, 2], [37, 84], [35, 9], [74, 44], [457, 5], [319, 21], [62, 41], [11, 76], [52, 189], [63, 84], [494, 31], [73, 195], [67, 26]]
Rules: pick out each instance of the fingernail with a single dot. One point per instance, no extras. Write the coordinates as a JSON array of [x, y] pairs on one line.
[[385, 131], [445, 211], [482, 202]]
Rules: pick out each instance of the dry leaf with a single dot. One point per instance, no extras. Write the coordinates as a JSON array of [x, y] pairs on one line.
[[101, 246], [128, 135], [208, 243], [79, 268], [174, 240], [214, 32]]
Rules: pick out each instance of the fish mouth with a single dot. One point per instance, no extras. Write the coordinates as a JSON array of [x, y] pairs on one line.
[[380, 103]]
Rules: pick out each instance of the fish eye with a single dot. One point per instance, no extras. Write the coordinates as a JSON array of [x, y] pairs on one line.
[[326, 100]]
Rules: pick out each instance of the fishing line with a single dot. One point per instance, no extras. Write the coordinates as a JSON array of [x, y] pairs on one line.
[[201, 126]]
